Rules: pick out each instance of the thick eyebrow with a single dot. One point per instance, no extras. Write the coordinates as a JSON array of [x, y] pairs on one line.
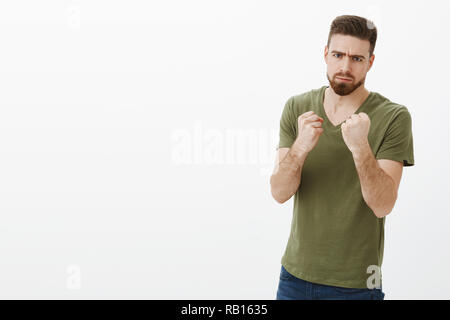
[[356, 55]]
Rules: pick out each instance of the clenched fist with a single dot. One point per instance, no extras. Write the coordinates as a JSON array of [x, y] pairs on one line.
[[355, 131], [309, 130]]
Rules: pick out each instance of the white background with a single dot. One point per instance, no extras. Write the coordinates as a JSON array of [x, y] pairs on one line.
[[98, 99]]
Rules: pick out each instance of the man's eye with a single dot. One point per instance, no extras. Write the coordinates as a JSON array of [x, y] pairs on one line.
[[354, 58]]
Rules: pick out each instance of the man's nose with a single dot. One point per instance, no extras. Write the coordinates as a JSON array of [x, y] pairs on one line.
[[346, 65]]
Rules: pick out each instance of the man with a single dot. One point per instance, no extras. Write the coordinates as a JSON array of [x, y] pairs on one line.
[[341, 153]]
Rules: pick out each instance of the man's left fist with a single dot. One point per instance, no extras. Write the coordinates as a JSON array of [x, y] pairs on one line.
[[355, 131]]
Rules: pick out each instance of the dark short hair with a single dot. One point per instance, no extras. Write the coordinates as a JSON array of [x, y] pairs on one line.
[[356, 26]]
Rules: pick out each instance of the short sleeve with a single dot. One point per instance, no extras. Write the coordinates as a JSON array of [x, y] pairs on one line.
[[287, 126], [397, 143]]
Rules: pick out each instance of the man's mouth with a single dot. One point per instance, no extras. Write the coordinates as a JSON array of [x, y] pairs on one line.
[[344, 79]]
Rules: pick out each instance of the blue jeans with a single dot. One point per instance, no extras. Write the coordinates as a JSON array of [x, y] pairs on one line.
[[293, 288]]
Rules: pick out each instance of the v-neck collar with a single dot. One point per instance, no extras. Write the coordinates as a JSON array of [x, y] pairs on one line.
[[327, 121]]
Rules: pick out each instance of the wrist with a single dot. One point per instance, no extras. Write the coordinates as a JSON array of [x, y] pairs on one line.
[[299, 151], [362, 150]]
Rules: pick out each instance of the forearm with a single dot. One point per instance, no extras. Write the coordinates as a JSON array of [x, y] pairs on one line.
[[378, 188], [287, 176]]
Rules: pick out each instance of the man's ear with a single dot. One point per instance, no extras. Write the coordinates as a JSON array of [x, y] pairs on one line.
[[325, 53], [372, 58]]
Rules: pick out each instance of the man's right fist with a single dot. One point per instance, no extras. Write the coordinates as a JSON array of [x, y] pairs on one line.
[[309, 130]]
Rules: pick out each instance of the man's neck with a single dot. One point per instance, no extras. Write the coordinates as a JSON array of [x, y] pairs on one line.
[[347, 103]]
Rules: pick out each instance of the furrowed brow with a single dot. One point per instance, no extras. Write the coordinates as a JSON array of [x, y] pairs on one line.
[[356, 55]]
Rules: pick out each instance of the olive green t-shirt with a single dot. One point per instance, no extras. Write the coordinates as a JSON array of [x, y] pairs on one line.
[[335, 237]]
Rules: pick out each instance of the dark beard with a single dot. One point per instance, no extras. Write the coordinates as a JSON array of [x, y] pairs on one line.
[[344, 88]]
